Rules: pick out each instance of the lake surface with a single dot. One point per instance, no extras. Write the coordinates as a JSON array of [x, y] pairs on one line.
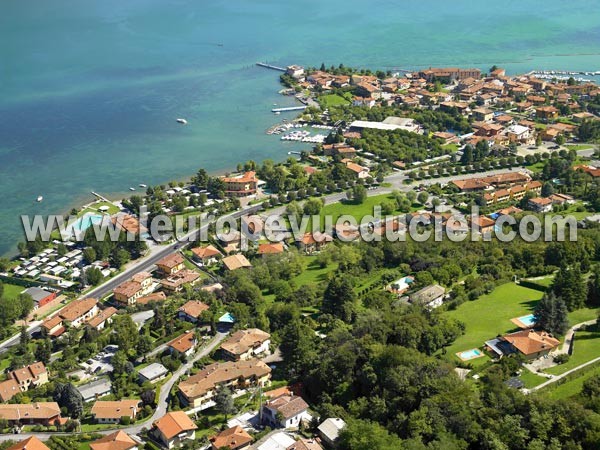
[[89, 91]]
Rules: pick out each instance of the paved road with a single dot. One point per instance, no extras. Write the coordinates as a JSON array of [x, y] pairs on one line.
[[161, 408]]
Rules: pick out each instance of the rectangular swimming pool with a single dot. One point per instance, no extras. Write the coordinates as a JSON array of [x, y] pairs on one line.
[[83, 223], [528, 320], [470, 354]]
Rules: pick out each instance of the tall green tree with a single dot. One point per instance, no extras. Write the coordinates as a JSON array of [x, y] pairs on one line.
[[570, 286], [551, 314]]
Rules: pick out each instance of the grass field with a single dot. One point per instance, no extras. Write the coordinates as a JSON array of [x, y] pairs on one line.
[[490, 315], [531, 379], [585, 347], [578, 146], [358, 211], [12, 290], [571, 387], [332, 100]]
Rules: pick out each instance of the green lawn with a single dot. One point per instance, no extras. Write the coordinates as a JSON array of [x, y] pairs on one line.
[[490, 315], [12, 290], [332, 100], [358, 211], [531, 379], [585, 348], [571, 387], [578, 146]]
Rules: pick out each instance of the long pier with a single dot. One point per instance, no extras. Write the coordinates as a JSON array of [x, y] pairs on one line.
[[291, 108], [271, 66]]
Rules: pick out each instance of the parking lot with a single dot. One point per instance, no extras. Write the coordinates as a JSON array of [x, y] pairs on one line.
[[100, 363]]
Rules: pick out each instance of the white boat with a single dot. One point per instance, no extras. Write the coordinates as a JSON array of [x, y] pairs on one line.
[[132, 189], [182, 121], [40, 198], [143, 185]]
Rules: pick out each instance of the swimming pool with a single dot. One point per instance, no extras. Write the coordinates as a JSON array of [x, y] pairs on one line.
[[528, 320], [470, 354], [83, 223]]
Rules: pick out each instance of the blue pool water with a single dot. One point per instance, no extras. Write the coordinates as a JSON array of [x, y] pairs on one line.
[[83, 223], [470, 354], [528, 320]]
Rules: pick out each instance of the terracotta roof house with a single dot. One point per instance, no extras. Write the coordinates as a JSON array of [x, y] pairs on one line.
[[192, 311], [241, 185], [8, 389], [170, 264], [314, 242], [31, 443], [305, 444], [79, 311], [119, 440], [235, 262], [114, 411], [246, 344], [53, 326], [128, 223], [235, 438], [33, 375], [285, 411], [184, 344], [103, 318], [129, 291], [173, 429], [38, 413], [201, 387], [271, 248], [532, 344], [176, 282], [540, 204], [154, 297], [207, 255]]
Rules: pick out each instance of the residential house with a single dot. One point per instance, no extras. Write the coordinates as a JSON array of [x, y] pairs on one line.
[[79, 311], [561, 199], [154, 297], [201, 387], [104, 317], [430, 296], [270, 248], [483, 114], [152, 373], [369, 102], [171, 264], [284, 411], [235, 262], [40, 296], [37, 413], [449, 74], [246, 344], [305, 444], [192, 311], [313, 242], [184, 344], [173, 429], [53, 326], [241, 185], [483, 224], [531, 344], [139, 285], [330, 429], [519, 134], [8, 389], [360, 172], [128, 224], [115, 411], [546, 113], [207, 255], [235, 438], [176, 282], [95, 389], [295, 71], [31, 443], [540, 204], [31, 376], [119, 440]]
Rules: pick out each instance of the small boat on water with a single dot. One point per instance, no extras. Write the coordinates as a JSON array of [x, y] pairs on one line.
[[40, 199], [182, 121], [132, 189], [143, 185]]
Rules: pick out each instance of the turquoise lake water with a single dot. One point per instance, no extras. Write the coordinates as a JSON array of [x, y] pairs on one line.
[[90, 90]]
